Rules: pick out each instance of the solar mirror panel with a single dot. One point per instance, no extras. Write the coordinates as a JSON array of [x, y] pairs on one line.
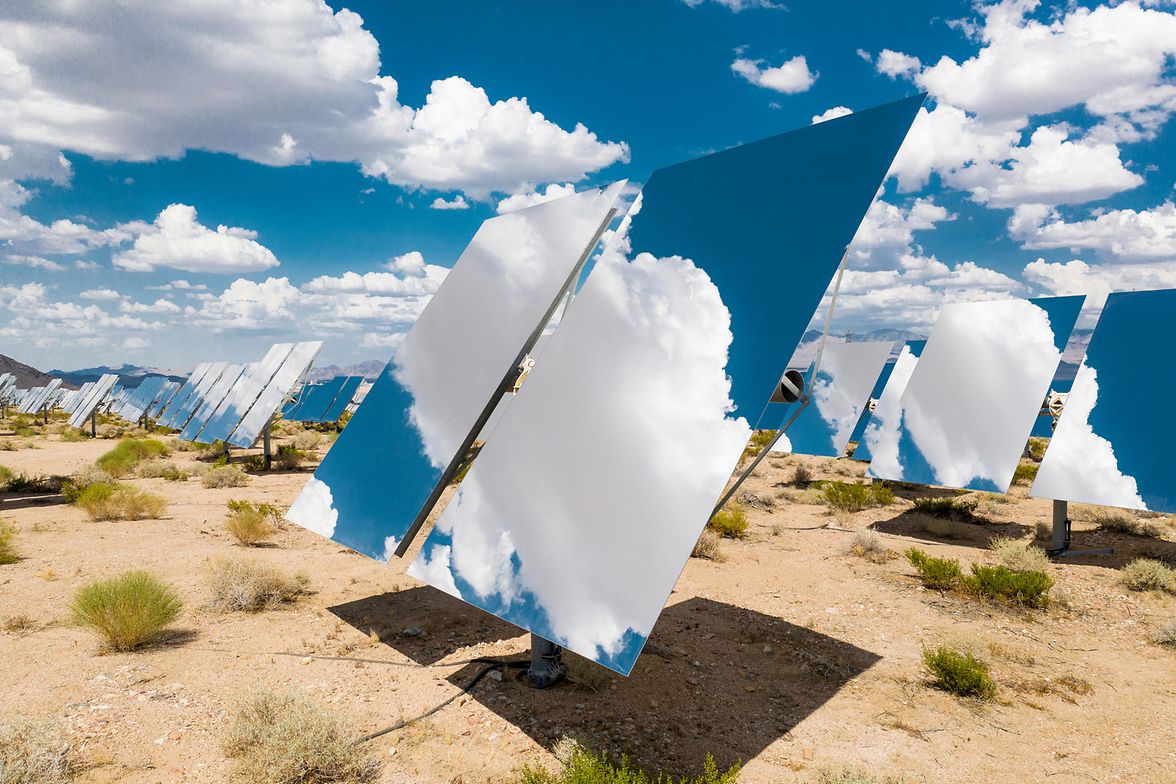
[[185, 391], [880, 436], [672, 344], [1110, 446], [184, 411], [27, 401], [839, 395], [170, 388], [342, 399], [390, 464], [142, 398], [96, 395], [213, 397], [293, 368], [974, 395], [244, 394], [316, 400]]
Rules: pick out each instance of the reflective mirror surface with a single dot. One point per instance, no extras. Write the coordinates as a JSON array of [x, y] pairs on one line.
[[211, 399], [838, 396], [97, 394], [973, 397], [294, 366], [186, 393], [581, 510], [370, 487], [236, 403], [880, 437], [1110, 446]]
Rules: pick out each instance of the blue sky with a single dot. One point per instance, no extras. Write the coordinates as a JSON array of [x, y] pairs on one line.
[[1044, 166]]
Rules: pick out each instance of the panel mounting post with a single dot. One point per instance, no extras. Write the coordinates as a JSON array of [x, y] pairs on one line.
[[547, 667], [1060, 544], [94, 422], [267, 456]]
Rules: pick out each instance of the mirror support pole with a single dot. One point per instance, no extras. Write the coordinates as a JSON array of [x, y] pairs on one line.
[[1060, 544], [547, 667]]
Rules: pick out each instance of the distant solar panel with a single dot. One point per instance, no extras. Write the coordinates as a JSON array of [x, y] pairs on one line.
[[1110, 446], [182, 394], [40, 397], [244, 394], [213, 397], [95, 396], [881, 431], [141, 398], [839, 395], [317, 400], [170, 388], [343, 398], [974, 395], [179, 414], [293, 368]]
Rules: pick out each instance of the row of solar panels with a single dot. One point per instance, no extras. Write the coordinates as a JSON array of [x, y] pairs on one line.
[[324, 402]]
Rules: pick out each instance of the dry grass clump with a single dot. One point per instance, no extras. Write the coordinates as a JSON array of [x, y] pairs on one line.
[[1037, 447], [33, 752], [118, 501], [224, 476], [1145, 574], [251, 524], [288, 457], [853, 776], [709, 547], [867, 544], [125, 457], [159, 469], [243, 585], [1125, 523], [74, 434], [8, 553], [1166, 634], [961, 509], [730, 523], [1025, 473], [127, 611], [579, 765], [1017, 556], [961, 674], [854, 497], [5, 477], [288, 739], [307, 440], [802, 476]]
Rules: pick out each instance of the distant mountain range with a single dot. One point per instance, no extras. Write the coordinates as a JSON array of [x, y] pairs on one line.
[[28, 377], [369, 369], [128, 375]]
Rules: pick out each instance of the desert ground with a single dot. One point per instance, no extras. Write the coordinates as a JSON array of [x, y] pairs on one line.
[[789, 653]]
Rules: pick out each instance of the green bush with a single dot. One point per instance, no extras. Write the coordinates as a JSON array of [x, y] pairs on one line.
[[942, 574], [73, 486], [947, 508], [5, 477], [1028, 588], [288, 739], [961, 674], [854, 497], [1037, 448], [25, 483], [8, 553], [129, 610], [75, 434], [1025, 473], [582, 766], [125, 457], [118, 501], [288, 457], [760, 440], [730, 522]]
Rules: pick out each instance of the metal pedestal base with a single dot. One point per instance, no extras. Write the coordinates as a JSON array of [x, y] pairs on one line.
[[547, 667], [1060, 544]]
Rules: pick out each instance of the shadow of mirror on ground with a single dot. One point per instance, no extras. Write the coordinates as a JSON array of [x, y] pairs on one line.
[[957, 530], [713, 678]]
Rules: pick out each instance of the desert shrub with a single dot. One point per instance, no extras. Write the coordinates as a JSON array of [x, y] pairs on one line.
[[1037, 448], [942, 574], [242, 585], [867, 544], [73, 486], [307, 440], [708, 546], [33, 752], [802, 476], [759, 441], [211, 453], [1025, 473], [1145, 574], [118, 501], [730, 522], [158, 469], [1029, 588], [582, 766], [1166, 634], [1124, 523], [854, 497], [288, 457], [75, 434], [853, 776], [27, 483], [251, 523], [961, 674], [224, 476], [129, 610], [1015, 555], [8, 553], [253, 464], [125, 457], [5, 477], [25, 432], [948, 508], [288, 739]]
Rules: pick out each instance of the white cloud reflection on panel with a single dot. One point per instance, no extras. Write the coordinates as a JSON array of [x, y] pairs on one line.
[[379, 474], [839, 396], [579, 514], [975, 393], [880, 437], [1110, 446]]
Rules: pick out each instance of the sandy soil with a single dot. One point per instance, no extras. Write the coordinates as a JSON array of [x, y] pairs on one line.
[[793, 655]]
